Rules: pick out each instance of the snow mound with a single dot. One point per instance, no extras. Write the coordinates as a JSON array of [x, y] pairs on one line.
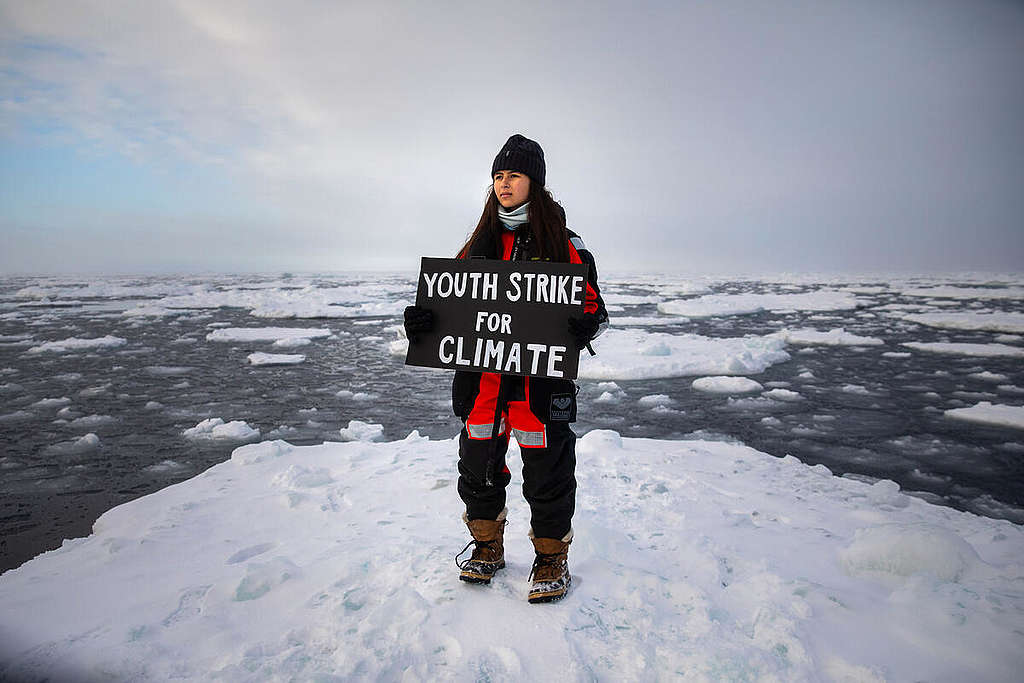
[[361, 431], [638, 354], [904, 550], [215, 429], [726, 385], [990, 414]]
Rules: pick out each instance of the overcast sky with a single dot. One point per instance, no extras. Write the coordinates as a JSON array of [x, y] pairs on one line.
[[689, 137]]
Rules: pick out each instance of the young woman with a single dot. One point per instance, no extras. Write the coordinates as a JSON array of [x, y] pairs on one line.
[[520, 222]]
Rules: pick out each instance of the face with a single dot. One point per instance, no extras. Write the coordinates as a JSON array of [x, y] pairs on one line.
[[512, 188]]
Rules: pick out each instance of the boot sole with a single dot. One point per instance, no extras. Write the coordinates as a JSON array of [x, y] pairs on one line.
[[474, 577], [550, 596]]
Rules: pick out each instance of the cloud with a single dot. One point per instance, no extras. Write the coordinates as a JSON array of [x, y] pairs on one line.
[[822, 131]]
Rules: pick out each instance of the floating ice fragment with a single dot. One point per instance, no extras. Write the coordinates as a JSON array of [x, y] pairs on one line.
[[726, 385], [361, 431], [990, 414], [260, 358], [215, 429]]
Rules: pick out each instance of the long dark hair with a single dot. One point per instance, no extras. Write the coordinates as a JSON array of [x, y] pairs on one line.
[[547, 224]]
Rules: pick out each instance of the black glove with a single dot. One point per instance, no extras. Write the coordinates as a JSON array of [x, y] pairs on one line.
[[418, 321], [583, 329]]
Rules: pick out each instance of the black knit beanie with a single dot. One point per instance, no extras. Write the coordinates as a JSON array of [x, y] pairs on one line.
[[521, 154]]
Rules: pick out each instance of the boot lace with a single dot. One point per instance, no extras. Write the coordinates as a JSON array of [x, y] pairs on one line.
[[546, 562], [485, 545]]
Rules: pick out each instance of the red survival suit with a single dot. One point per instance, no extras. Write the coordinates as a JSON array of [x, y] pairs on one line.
[[536, 410]]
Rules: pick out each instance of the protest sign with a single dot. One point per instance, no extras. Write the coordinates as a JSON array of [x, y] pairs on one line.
[[509, 317]]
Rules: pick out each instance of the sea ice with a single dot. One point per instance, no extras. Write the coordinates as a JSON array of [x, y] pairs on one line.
[[358, 430], [968, 349], [997, 322], [260, 358], [333, 562], [215, 429], [834, 337], [638, 354], [738, 304], [265, 334], [75, 344], [83, 444], [783, 395], [726, 385], [990, 414]]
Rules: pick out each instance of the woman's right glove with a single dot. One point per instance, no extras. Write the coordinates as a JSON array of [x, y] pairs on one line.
[[583, 329], [418, 320]]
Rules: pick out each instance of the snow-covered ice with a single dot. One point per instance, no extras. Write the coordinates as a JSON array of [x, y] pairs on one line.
[[638, 354], [726, 385], [968, 349], [265, 334], [834, 337], [968, 320], [260, 358], [988, 413], [216, 429], [73, 344], [357, 430], [739, 304], [693, 560]]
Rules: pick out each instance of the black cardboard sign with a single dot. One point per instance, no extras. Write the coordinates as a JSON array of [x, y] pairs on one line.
[[509, 317]]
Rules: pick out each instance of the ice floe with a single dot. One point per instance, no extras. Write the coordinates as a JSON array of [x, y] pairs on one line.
[[968, 349], [73, 344], [711, 305], [215, 429], [333, 562], [638, 354], [990, 414], [357, 430], [726, 385], [834, 337], [992, 322], [265, 334], [260, 358]]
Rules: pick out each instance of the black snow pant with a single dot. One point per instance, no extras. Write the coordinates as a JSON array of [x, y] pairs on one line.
[[549, 480]]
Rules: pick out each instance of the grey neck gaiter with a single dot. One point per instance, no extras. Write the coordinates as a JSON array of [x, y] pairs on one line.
[[514, 218]]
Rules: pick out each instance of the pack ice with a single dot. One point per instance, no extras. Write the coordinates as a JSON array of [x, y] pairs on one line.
[[693, 560]]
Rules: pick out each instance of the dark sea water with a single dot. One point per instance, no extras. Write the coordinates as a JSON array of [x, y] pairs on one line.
[[860, 413]]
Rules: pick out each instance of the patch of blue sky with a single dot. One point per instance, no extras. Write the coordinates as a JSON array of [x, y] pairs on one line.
[[38, 180]]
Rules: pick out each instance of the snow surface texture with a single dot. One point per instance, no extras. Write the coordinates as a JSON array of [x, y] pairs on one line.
[[707, 561]]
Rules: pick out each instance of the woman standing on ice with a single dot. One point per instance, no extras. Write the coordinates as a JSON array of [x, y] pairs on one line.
[[520, 222]]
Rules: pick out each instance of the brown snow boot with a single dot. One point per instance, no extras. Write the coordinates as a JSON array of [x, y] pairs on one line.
[[550, 573], [489, 551]]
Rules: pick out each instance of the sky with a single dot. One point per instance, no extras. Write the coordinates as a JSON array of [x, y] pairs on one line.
[[684, 137]]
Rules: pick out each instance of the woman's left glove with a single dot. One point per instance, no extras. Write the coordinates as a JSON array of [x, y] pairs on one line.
[[418, 320], [583, 329]]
